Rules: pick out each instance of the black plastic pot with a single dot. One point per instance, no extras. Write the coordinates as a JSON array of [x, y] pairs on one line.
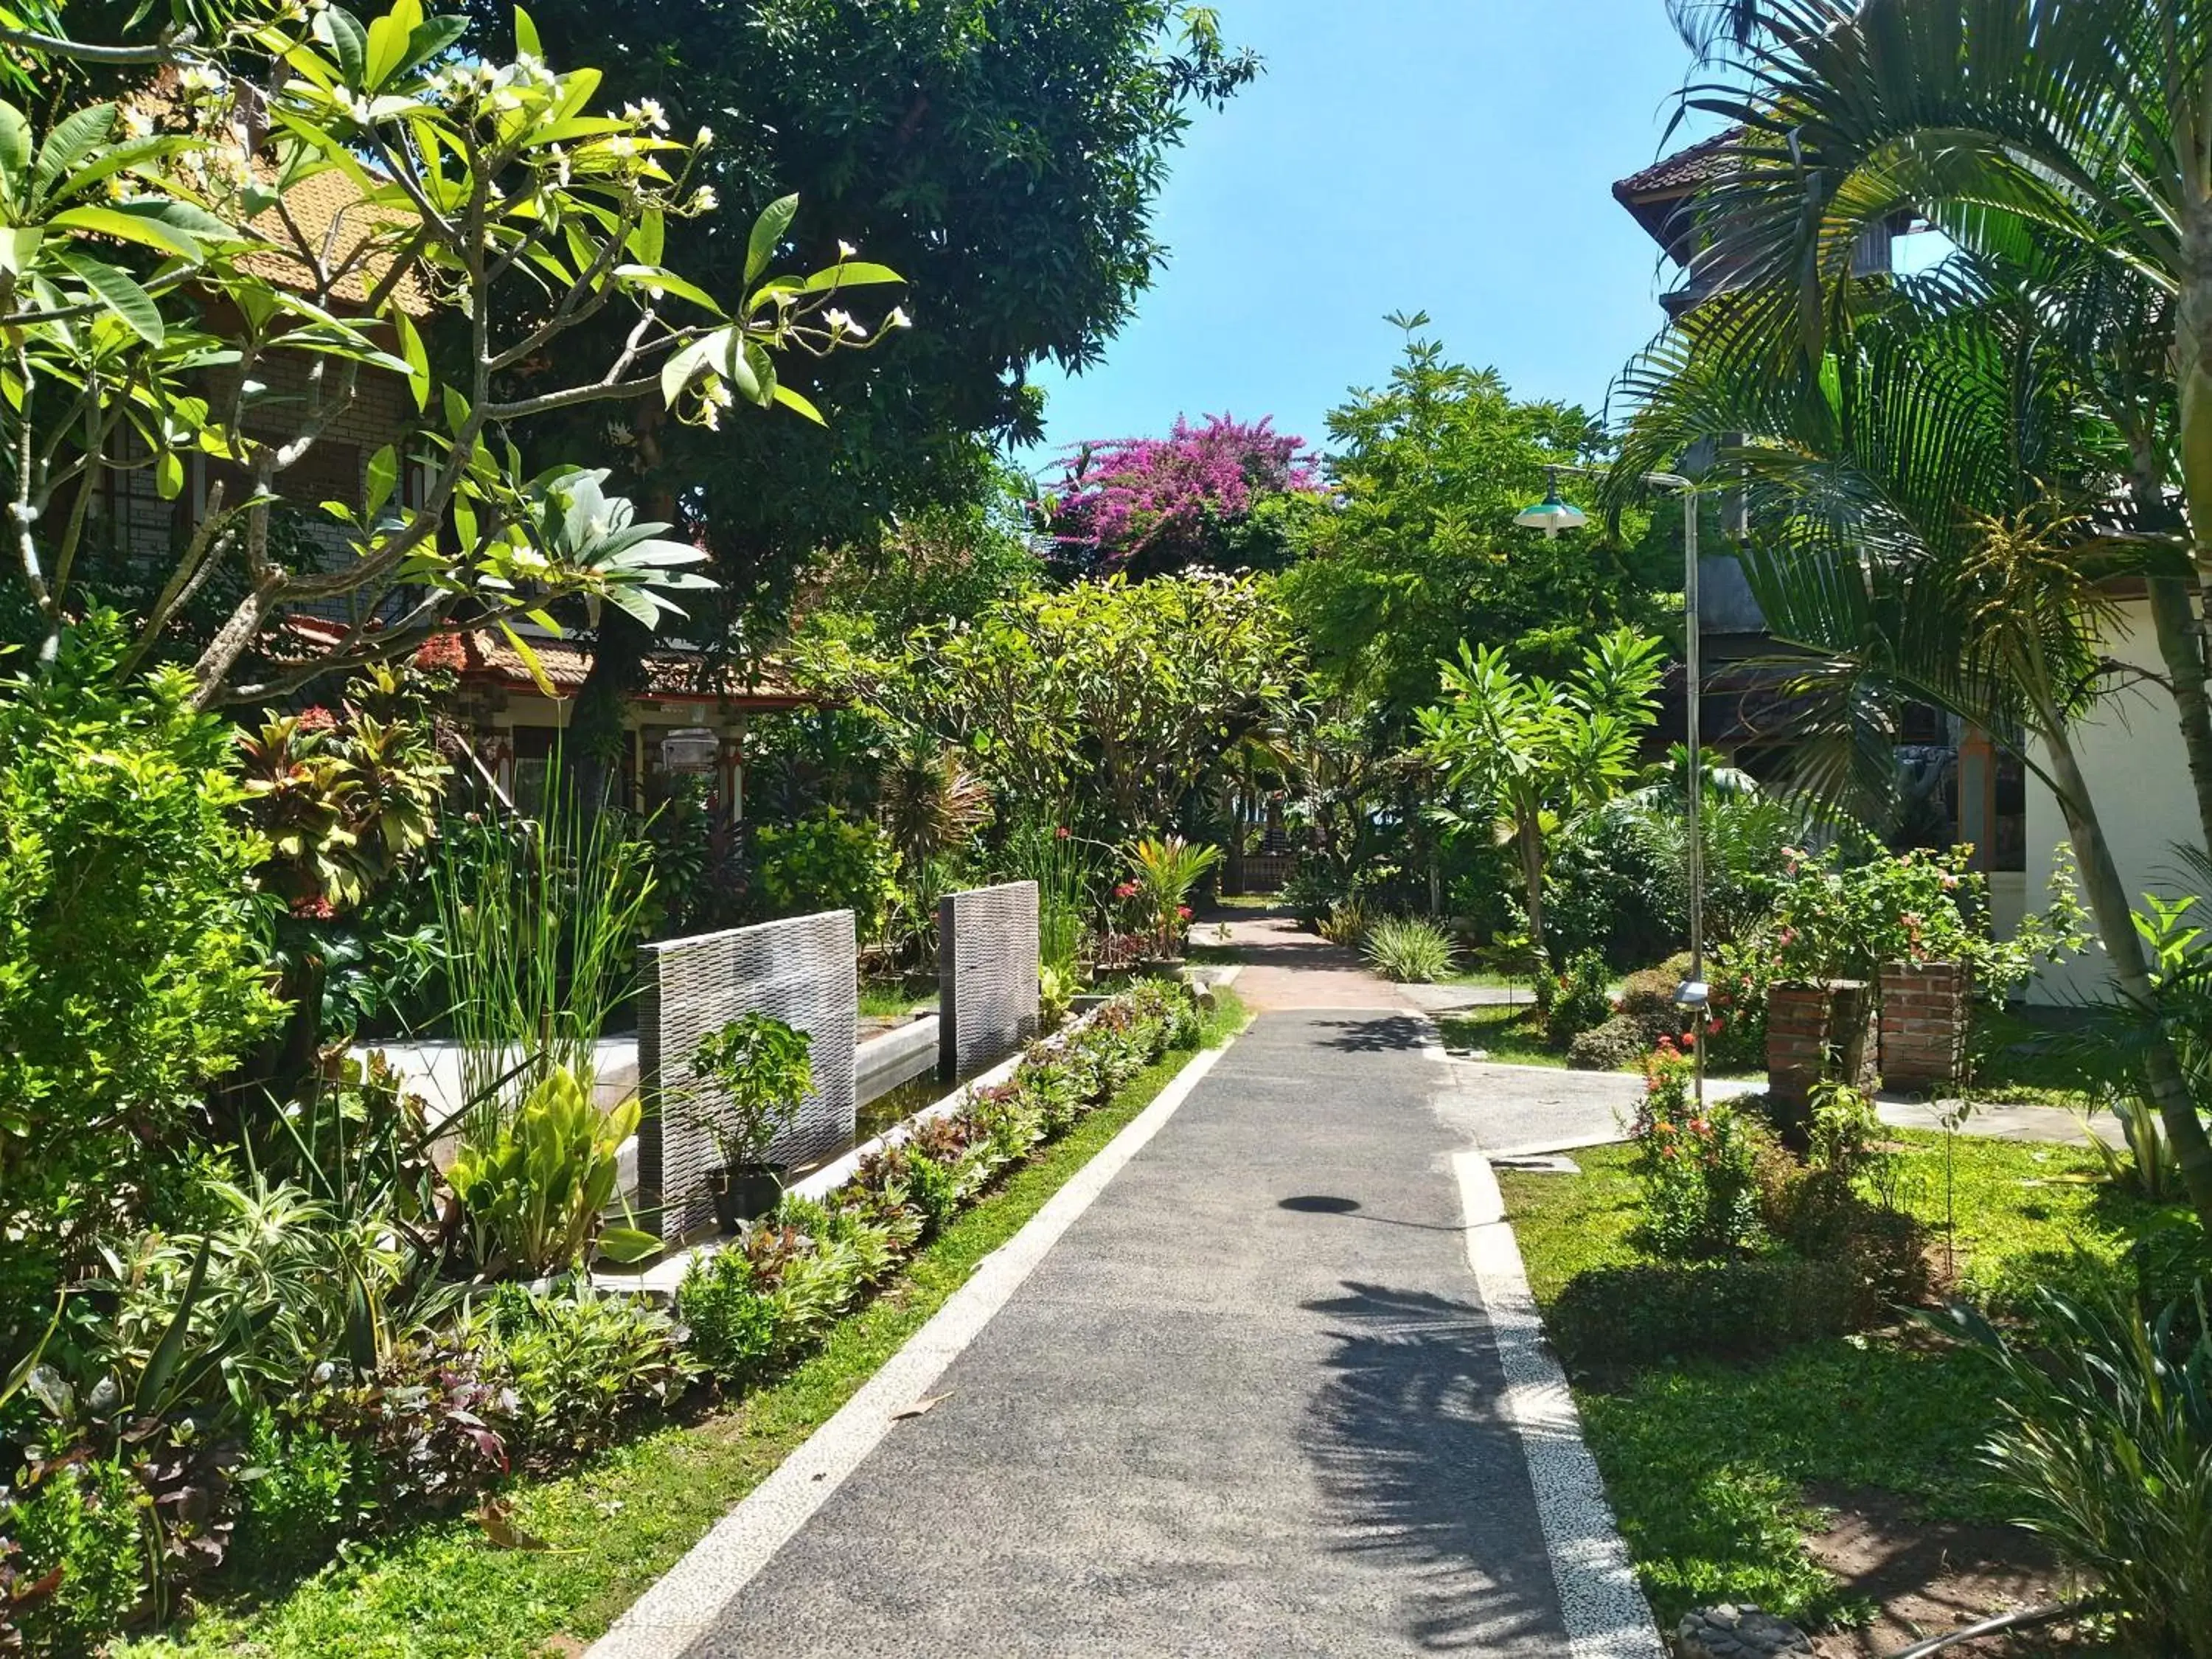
[[744, 1192]]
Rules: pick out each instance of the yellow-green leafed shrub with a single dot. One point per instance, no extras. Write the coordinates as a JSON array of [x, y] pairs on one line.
[[534, 1185]]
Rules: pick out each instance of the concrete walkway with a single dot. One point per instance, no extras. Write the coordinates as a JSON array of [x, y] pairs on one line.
[[1249, 1401]]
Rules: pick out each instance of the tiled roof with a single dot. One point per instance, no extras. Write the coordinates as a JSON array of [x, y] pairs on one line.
[[484, 656], [678, 675], [1683, 172], [331, 221]]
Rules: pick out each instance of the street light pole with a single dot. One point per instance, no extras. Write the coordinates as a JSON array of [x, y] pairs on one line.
[[1550, 515]]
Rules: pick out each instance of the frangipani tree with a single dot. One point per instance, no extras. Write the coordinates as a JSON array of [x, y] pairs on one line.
[[1118, 695], [164, 301], [1529, 755]]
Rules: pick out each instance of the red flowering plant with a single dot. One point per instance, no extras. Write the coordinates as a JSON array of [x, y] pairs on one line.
[[1700, 1192]]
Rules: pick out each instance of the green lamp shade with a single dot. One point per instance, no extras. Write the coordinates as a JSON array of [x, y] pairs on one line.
[[1550, 515]]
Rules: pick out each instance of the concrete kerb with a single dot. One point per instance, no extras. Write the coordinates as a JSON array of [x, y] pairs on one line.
[[687, 1602], [1603, 1607]]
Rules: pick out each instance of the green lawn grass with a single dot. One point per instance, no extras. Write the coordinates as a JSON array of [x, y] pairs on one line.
[[1506, 1031], [1708, 1465], [441, 1591], [889, 999]]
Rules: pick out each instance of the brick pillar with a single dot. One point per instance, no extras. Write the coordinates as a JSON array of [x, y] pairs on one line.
[[1797, 1042], [1815, 1030], [1924, 1008]]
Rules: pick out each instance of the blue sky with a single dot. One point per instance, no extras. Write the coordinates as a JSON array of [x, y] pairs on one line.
[[1455, 156]]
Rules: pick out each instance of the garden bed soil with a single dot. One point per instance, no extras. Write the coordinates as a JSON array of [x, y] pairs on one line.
[[1923, 1577]]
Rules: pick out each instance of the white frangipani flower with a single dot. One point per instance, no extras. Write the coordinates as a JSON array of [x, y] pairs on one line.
[[898, 319]]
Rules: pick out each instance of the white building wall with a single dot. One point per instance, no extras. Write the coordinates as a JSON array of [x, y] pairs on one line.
[[2138, 776]]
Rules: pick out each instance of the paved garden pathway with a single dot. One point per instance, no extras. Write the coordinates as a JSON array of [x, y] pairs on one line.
[[1248, 1403]]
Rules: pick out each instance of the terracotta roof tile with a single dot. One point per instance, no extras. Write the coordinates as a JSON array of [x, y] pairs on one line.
[[332, 222], [1683, 172]]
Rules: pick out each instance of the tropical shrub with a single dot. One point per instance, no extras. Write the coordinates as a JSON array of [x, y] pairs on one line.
[[757, 1304], [1311, 892], [1639, 1312], [534, 1182], [421, 1420], [2105, 1449], [1697, 1170], [133, 953], [1408, 949], [1647, 997], [1522, 757], [80, 1520], [305, 1489], [576, 1364], [827, 861], [1576, 998], [1619, 1041], [1166, 869]]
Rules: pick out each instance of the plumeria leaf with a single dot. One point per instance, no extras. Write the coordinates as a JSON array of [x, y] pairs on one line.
[[768, 235], [119, 293]]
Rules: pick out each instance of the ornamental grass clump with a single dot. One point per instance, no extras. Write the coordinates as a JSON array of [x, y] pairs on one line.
[[2106, 1448], [1409, 950]]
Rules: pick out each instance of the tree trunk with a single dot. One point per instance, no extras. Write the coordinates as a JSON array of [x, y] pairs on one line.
[[1529, 836], [2181, 645], [2181, 641], [2164, 1080]]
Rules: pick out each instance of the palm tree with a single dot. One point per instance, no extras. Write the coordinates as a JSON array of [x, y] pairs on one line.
[[929, 802], [1930, 502], [2072, 137]]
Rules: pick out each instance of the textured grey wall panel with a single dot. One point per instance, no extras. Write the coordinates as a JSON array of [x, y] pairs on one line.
[[987, 976], [800, 970]]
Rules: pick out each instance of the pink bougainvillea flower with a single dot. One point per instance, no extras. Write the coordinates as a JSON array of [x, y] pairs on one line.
[[1061, 834], [315, 908], [1182, 911], [318, 719], [1166, 498]]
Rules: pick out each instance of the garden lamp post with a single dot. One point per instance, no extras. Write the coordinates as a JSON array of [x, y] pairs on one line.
[[1551, 515]]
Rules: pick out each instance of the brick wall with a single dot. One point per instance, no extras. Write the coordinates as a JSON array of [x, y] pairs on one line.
[[1924, 1024]]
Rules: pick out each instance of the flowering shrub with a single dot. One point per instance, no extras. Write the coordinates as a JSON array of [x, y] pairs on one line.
[[1698, 1171], [1843, 921], [1151, 504]]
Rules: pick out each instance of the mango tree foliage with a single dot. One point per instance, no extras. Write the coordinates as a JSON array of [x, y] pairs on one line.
[[1005, 155], [165, 297], [1529, 756], [1422, 550], [1115, 697]]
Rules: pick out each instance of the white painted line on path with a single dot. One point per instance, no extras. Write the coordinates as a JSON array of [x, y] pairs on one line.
[[1607, 1616], [692, 1598]]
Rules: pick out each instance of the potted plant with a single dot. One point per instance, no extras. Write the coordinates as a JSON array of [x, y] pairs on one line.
[[754, 1071]]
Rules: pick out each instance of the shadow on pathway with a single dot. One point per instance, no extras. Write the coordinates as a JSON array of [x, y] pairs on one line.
[[1418, 1470]]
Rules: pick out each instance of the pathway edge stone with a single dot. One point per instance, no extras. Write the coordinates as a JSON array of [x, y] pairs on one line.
[[1605, 1614], [685, 1602]]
